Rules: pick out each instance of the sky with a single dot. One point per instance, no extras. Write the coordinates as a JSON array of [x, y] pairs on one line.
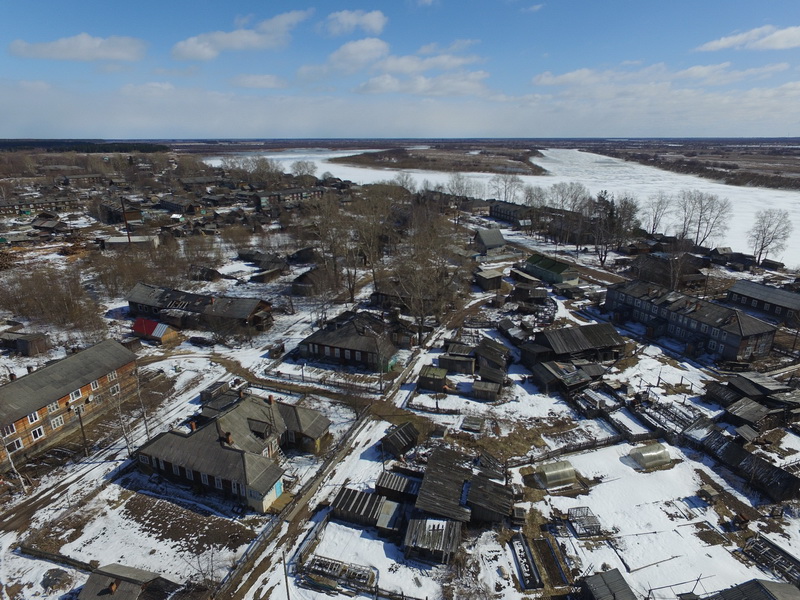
[[399, 68]]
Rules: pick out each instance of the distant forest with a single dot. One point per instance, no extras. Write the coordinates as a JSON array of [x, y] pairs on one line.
[[85, 146]]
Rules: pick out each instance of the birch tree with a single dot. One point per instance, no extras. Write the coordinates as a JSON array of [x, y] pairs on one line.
[[770, 232]]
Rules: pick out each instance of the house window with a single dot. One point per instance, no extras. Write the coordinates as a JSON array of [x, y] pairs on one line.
[[357, 355], [638, 303], [112, 376], [218, 482], [712, 344], [336, 352], [9, 429], [327, 350], [254, 494], [693, 324], [704, 328], [234, 487], [790, 314], [144, 459], [242, 490], [654, 309], [778, 310], [715, 332], [37, 433], [33, 417], [754, 303], [95, 385], [14, 445], [204, 478], [734, 297], [189, 474], [114, 389], [347, 354], [671, 328], [80, 409], [724, 334], [57, 422], [176, 469], [766, 305], [744, 300], [161, 464], [75, 395], [52, 407]]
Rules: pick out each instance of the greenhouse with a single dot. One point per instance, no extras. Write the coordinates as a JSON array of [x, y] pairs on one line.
[[651, 456], [557, 474]]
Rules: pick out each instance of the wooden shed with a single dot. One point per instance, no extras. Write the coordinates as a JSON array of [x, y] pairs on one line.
[[453, 363], [485, 391], [400, 439], [432, 378], [161, 333]]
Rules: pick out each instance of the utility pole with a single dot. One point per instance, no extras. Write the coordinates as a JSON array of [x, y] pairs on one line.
[[125, 218], [14, 468], [141, 403], [79, 411], [285, 574]]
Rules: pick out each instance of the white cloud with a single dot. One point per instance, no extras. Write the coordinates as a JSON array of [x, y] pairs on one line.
[[767, 37], [448, 84], [347, 21], [534, 8], [717, 74], [263, 82], [348, 59], [271, 33], [151, 88], [456, 46], [425, 2], [415, 64], [82, 47]]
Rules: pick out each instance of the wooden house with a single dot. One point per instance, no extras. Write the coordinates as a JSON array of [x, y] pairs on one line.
[[778, 303], [38, 409], [432, 379], [550, 269]]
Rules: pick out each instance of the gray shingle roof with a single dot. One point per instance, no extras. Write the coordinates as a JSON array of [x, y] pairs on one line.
[[35, 390], [490, 238], [210, 306], [132, 584]]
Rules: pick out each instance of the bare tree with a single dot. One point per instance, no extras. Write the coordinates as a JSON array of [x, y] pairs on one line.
[[770, 232], [656, 210], [701, 216], [304, 168], [505, 186], [459, 185], [406, 180]]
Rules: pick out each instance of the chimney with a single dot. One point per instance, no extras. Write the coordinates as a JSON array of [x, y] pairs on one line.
[[270, 400], [112, 587], [228, 438], [241, 392], [30, 368], [193, 425], [12, 376]]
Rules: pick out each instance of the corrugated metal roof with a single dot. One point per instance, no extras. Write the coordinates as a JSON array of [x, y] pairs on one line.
[[609, 585], [35, 390]]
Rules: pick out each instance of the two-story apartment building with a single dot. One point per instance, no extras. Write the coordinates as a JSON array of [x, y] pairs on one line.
[[781, 304], [38, 409], [703, 326]]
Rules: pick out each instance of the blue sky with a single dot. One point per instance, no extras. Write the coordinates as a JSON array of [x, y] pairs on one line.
[[400, 68]]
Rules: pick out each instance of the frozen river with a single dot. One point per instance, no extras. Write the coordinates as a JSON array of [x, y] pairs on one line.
[[597, 173]]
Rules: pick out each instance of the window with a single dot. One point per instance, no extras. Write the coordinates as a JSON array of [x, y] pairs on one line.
[[754, 303], [712, 344], [80, 409], [766, 305], [52, 407], [37, 433], [14, 445], [234, 487], [715, 332], [790, 314], [176, 469], [9, 429], [75, 395], [218, 482], [204, 478], [777, 310], [671, 328], [112, 376], [161, 464], [57, 422], [33, 417], [724, 334], [327, 350], [638, 303], [95, 385], [347, 354], [704, 328], [254, 494], [734, 297], [357, 355], [744, 300], [336, 352], [144, 459], [189, 474], [114, 389]]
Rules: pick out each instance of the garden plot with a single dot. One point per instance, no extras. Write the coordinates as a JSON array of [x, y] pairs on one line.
[[658, 528]]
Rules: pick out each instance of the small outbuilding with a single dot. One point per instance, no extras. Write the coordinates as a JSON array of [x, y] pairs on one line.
[[485, 391], [161, 333], [454, 363], [557, 474], [432, 378], [651, 456], [489, 280], [400, 439], [607, 585], [432, 540]]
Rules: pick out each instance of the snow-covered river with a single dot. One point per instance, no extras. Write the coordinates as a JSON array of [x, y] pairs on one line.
[[597, 173]]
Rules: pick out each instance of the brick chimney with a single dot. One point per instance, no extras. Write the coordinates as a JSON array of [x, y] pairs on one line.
[[228, 438], [112, 587]]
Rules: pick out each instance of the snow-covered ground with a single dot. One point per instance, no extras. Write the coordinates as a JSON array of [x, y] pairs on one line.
[[597, 173]]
